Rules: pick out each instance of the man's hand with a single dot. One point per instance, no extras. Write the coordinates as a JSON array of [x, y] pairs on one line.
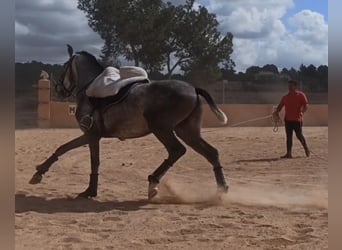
[[275, 116]]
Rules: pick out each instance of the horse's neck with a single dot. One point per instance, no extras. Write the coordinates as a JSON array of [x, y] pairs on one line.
[[85, 77]]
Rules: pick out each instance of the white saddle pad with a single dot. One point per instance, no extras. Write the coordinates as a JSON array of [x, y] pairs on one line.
[[111, 80]]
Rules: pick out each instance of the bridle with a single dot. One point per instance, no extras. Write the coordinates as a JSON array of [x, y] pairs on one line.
[[73, 82], [68, 91]]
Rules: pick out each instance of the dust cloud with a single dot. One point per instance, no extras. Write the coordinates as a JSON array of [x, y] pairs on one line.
[[248, 194]]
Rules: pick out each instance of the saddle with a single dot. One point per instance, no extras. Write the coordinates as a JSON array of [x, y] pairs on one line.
[[111, 87], [112, 80], [104, 103]]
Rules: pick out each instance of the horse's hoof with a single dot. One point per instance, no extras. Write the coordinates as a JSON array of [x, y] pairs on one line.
[[222, 190], [152, 190], [81, 196], [36, 178], [152, 193], [87, 194]]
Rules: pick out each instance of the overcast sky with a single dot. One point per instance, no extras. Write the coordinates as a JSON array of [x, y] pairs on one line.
[[286, 33]]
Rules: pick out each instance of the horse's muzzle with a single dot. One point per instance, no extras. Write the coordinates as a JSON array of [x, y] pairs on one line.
[[62, 92]]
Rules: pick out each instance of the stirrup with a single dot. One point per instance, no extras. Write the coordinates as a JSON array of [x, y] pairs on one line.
[[87, 122]]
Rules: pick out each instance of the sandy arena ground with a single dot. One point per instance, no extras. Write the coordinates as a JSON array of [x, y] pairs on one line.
[[272, 203]]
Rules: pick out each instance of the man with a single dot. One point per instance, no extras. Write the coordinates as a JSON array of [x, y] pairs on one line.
[[296, 104]]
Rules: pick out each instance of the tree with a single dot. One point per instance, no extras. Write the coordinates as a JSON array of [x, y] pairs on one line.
[[270, 68], [294, 74], [251, 72], [201, 51], [122, 25], [322, 74], [156, 34]]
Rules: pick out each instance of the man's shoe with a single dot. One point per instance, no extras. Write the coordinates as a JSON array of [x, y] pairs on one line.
[[287, 156]]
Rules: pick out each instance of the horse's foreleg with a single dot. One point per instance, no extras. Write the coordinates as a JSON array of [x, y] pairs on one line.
[[45, 166], [91, 191]]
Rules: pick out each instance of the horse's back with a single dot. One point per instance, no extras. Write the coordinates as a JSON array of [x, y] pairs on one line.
[[169, 92], [159, 103], [169, 101]]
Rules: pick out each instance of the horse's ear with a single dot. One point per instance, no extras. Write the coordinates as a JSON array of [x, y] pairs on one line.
[[70, 50]]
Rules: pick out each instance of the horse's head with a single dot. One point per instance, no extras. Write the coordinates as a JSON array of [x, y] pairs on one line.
[[68, 80], [79, 71]]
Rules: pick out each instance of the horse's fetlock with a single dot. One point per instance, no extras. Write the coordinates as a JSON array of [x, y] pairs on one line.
[[42, 169], [152, 179]]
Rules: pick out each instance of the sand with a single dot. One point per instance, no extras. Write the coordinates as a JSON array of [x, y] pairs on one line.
[[272, 203]]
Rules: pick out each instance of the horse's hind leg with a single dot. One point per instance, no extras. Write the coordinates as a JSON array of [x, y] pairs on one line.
[[189, 132], [175, 150], [45, 166]]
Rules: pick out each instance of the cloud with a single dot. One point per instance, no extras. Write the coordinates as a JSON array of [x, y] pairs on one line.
[[44, 27], [21, 29], [263, 33], [306, 42], [310, 27]]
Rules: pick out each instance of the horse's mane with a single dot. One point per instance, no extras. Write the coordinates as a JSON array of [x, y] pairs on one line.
[[93, 58]]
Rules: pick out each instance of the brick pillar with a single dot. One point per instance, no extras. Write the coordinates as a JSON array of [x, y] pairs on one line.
[[44, 100]]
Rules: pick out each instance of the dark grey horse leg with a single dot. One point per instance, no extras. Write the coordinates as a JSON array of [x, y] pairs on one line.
[[175, 150], [94, 147], [189, 132], [45, 166], [212, 155]]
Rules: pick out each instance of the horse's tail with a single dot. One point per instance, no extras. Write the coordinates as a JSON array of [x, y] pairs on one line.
[[217, 111]]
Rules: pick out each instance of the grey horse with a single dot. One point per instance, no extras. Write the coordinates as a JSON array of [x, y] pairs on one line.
[[169, 109]]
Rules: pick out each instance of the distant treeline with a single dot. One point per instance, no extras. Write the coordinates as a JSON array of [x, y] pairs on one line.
[[266, 78]]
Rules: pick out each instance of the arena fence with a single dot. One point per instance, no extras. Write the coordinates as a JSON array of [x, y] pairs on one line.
[[55, 114]]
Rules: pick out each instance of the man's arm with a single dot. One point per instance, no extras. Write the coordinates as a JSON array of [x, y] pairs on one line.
[[304, 107], [275, 114], [279, 107]]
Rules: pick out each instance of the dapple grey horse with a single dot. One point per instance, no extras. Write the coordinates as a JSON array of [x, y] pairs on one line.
[[169, 109]]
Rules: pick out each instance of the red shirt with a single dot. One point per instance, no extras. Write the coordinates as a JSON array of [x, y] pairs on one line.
[[293, 102]]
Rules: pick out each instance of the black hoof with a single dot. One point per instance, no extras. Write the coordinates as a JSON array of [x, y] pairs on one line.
[[87, 194], [36, 178]]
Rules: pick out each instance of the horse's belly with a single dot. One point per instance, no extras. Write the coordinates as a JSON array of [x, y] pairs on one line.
[[132, 127]]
